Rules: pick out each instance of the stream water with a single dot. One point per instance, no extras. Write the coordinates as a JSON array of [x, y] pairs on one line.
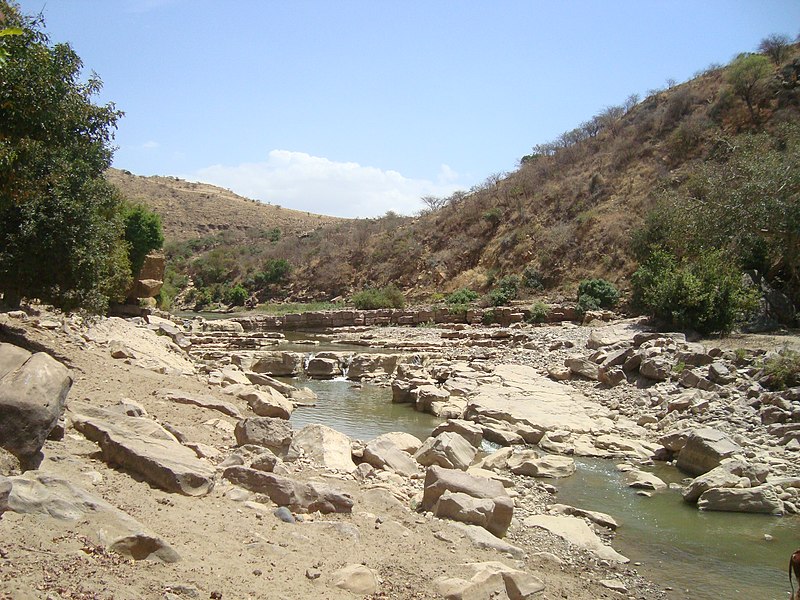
[[700, 555]]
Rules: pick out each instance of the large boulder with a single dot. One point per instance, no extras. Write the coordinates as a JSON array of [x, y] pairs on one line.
[[759, 499], [553, 466], [5, 492], [467, 429], [271, 432], [718, 477], [448, 449], [296, 495], [439, 480], [426, 395], [267, 402], [490, 580], [33, 390], [324, 446], [493, 514], [278, 364], [405, 441], [323, 368], [372, 365], [704, 449], [383, 453], [142, 446]]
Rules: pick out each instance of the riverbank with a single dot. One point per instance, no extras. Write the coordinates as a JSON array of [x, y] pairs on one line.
[[229, 541]]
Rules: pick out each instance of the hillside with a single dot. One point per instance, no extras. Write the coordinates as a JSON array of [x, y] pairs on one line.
[[568, 212], [191, 210]]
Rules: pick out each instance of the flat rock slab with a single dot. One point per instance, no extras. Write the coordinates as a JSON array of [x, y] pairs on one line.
[[525, 396], [43, 494], [209, 402], [576, 531], [144, 447]]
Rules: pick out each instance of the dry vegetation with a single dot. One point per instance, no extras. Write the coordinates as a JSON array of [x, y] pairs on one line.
[[566, 213]]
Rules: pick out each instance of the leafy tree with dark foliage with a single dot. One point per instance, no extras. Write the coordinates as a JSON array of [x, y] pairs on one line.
[[61, 224]]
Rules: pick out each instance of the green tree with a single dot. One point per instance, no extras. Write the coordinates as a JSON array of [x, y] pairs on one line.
[[61, 229], [747, 76], [142, 232]]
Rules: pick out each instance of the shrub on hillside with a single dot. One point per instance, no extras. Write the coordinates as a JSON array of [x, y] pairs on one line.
[[506, 291], [374, 298], [538, 312], [462, 296], [782, 370], [276, 270], [706, 294], [532, 278], [236, 295], [594, 294]]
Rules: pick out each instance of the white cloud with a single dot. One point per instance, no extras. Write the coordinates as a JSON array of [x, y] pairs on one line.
[[150, 145], [319, 185]]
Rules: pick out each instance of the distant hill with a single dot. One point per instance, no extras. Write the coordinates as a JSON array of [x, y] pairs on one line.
[[567, 212], [196, 210]]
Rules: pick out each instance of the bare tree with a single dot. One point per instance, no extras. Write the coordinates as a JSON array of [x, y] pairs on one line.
[[630, 102], [776, 47], [434, 203]]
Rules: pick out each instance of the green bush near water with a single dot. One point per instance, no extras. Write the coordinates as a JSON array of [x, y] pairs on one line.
[[374, 298]]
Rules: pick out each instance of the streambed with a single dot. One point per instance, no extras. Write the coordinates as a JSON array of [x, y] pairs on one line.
[[701, 555]]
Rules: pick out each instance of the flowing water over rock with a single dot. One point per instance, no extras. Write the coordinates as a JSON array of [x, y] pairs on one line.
[[702, 555]]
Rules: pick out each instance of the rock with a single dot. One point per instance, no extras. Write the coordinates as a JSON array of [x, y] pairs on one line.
[[553, 466], [39, 493], [401, 392], [405, 441], [759, 499], [719, 373], [323, 368], [576, 531], [643, 480], [439, 480], [270, 432], [33, 390], [278, 364], [120, 349], [5, 492], [425, 395], [357, 579], [383, 452], [704, 449], [144, 447], [297, 496], [481, 538], [719, 477], [583, 367], [493, 514], [209, 402], [600, 518], [527, 397], [620, 446], [266, 403], [284, 514], [448, 450], [497, 460], [655, 368], [371, 365], [501, 434], [611, 376], [490, 580], [614, 584], [323, 445]]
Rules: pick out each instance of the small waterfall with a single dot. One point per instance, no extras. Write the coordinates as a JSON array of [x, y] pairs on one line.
[[308, 358]]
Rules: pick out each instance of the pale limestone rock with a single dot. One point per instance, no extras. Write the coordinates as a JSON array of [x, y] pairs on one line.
[[576, 531], [323, 445]]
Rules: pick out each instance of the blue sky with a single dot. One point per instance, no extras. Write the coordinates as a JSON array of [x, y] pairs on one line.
[[353, 108]]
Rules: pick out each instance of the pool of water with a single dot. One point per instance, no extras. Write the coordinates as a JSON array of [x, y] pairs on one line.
[[360, 410], [297, 341], [701, 555]]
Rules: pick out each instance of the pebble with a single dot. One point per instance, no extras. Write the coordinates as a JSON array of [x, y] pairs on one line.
[[284, 514]]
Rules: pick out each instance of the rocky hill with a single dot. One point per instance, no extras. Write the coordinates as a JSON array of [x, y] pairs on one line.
[[568, 212]]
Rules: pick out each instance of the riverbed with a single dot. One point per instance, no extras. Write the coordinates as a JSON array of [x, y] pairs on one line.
[[700, 555]]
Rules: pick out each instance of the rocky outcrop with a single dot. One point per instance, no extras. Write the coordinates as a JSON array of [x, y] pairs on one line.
[[383, 453], [704, 449], [490, 580], [371, 365], [209, 402], [759, 499], [357, 579], [144, 447], [41, 493], [295, 495], [33, 391], [278, 364]]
